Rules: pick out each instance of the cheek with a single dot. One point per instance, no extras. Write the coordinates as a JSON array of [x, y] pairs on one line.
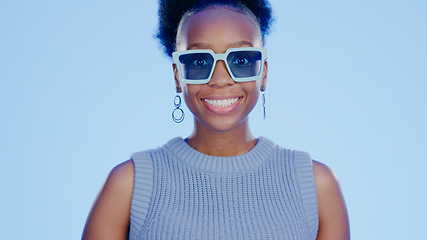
[[253, 92], [252, 88], [190, 93]]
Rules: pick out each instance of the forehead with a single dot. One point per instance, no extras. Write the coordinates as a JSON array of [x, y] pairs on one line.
[[216, 26]]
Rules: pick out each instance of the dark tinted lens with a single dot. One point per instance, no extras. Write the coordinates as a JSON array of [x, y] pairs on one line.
[[245, 63], [196, 66]]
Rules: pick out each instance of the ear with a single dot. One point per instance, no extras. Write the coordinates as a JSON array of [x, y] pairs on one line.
[[264, 76], [176, 76]]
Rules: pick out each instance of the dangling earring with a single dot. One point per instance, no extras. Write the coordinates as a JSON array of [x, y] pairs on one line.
[[177, 111], [263, 102]]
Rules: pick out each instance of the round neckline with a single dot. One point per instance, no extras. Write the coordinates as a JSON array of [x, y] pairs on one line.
[[196, 160]]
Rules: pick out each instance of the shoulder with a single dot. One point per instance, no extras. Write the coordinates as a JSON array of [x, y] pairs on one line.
[[333, 218], [324, 176], [327, 185], [120, 179], [119, 183], [122, 173], [110, 213]]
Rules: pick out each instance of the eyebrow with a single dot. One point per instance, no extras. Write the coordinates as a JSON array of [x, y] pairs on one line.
[[240, 44], [208, 46]]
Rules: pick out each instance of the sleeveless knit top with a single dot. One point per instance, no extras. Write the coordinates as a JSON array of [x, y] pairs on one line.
[[266, 193]]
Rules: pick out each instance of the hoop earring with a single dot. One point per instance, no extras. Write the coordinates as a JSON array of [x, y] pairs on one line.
[[263, 104], [177, 111]]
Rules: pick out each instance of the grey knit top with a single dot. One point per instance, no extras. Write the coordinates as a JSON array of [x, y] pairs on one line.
[[266, 193]]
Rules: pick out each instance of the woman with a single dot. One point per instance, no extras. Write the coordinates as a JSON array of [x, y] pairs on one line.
[[220, 182]]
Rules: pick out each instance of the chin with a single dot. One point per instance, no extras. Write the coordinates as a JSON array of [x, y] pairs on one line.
[[222, 125]]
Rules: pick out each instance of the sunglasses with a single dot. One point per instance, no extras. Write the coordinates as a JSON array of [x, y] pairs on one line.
[[197, 66]]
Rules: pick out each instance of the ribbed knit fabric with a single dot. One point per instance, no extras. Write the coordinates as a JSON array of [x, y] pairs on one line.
[[266, 193]]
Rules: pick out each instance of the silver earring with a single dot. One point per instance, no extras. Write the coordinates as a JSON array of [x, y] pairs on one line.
[[177, 114], [263, 103]]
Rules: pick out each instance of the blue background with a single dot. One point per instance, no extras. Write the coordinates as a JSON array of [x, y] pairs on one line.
[[83, 84]]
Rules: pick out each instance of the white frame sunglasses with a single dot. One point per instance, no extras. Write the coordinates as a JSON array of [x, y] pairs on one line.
[[219, 56]]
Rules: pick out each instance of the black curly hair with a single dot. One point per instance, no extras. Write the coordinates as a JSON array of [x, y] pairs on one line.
[[172, 11]]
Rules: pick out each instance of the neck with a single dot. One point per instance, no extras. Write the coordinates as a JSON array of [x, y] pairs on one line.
[[230, 143]]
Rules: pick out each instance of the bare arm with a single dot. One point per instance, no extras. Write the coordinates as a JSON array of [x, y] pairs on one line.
[[110, 214], [333, 218]]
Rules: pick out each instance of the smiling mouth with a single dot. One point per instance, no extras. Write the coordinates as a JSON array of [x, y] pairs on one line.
[[221, 103]]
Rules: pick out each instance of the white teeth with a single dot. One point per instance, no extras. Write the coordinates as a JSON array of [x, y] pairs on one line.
[[221, 102]]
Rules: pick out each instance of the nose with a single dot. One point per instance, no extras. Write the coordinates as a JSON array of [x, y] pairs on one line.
[[221, 77]]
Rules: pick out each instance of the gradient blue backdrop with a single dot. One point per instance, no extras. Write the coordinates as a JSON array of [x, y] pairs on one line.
[[83, 84]]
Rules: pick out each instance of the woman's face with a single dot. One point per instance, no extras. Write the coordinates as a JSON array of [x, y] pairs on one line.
[[221, 104]]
